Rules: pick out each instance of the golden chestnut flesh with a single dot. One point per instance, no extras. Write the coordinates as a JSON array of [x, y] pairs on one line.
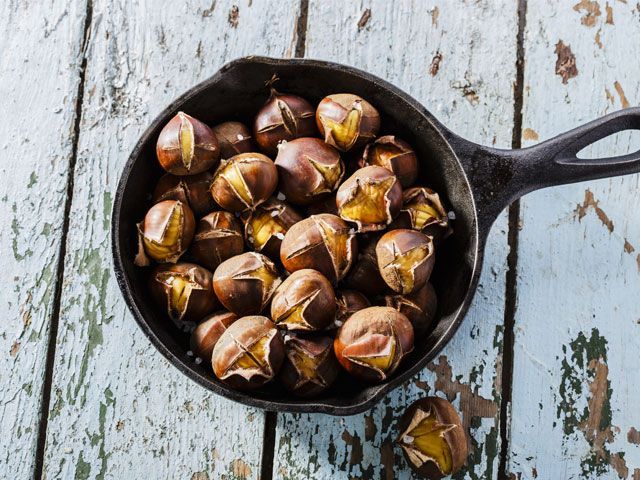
[[304, 301], [347, 121], [183, 291], [218, 237], [248, 354], [244, 182], [371, 198], [186, 146], [419, 307], [283, 117], [372, 343], [245, 283], [433, 439], [308, 169], [233, 138], [405, 259], [267, 225], [165, 233], [321, 242], [395, 155], [309, 367], [422, 210], [208, 332]]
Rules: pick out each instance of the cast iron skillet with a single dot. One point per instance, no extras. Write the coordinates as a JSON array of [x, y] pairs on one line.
[[478, 183]]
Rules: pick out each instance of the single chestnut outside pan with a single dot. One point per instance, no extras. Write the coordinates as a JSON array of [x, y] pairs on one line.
[[477, 182]]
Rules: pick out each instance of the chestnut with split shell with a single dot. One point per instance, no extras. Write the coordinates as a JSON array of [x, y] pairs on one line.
[[266, 226], [218, 237], [305, 301], [233, 138], [395, 155], [433, 439], [245, 283], [192, 190], [406, 259], [321, 242], [183, 291], [186, 146], [165, 233], [309, 367], [365, 276], [348, 302], [244, 181], [371, 198], [422, 210], [208, 332], [347, 121], [372, 343], [249, 353], [419, 307]]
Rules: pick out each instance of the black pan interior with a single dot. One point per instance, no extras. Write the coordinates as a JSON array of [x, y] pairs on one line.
[[236, 93]]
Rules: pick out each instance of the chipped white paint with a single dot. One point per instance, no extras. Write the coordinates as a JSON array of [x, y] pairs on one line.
[[39, 58], [118, 408], [575, 394], [474, 97]]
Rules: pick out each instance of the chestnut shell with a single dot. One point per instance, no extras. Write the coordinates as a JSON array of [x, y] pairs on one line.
[[218, 237], [317, 374], [166, 232], [395, 155], [192, 190], [233, 138], [208, 332], [419, 307]]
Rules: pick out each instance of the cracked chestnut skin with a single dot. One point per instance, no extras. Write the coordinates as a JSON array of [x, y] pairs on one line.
[[395, 155], [186, 146], [305, 301], [218, 237], [248, 354], [233, 138], [321, 242], [423, 210], [364, 275], [192, 190], [419, 307], [283, 117], [208, 332], [405, 259], [165, 233], [347, 121], [246, 283], [308, 169], [372, 343], [266, 226], [183, 291], [427, 420], [244, 181], [348, 302], [310, 366], [371, 198]]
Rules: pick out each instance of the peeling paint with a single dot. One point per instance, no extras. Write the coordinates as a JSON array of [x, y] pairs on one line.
[[598, 40], [591, 203], [565, 62], [609, 11], [364, 19], [530, 134], [633, 436], [628, 248], [234, 16], [623, 99], [435, 13], [590, 10], [434, 67], [240, 469]]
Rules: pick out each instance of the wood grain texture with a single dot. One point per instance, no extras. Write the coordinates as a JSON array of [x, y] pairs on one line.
[[575, 395], [118, 409], [438, 53], [36, 144]]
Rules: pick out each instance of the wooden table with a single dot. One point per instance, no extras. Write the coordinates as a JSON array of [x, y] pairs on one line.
[[546, 367]]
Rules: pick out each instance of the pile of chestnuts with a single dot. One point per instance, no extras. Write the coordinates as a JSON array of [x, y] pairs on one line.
[[280, 264]]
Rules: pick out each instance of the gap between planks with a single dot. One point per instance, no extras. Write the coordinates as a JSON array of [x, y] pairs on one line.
[[57, 296]]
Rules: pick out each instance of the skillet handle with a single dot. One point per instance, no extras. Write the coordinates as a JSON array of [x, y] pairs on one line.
[[498, 177]]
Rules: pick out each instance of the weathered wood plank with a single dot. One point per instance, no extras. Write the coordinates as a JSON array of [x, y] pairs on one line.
[[575, 395], [445, 56], [40, 57], [118, 409]]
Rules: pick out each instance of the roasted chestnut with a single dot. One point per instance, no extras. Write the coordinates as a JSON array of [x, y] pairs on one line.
[[372, 343], [347, 121], [208, 332], [371, 198], [218, 237], [321, 242], [249, 353], [305, 301], [364, 275], [283, 117], [423, 210], [405, 259], [244, 182], [309, 367], [245, 283], [186, 146], [233, 138], [348, 302], [433, 439], [308, 169], [266, 226], [165, 233], [192, 190], [324, 205], [393, 154], [419, 307], [184, 291]]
